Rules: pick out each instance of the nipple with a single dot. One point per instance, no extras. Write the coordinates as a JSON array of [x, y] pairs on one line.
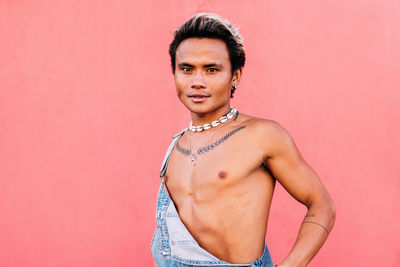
[[222, 175]]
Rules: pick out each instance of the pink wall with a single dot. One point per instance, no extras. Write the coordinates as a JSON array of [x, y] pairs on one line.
[[88, 106]]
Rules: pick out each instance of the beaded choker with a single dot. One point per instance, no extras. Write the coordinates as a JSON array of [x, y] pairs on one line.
[[214, 123]]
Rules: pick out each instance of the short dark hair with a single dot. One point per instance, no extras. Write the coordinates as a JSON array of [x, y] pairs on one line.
[[208, 25]]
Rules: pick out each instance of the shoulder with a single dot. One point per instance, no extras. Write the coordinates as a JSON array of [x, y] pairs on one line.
[[264, 127], [269, 134]]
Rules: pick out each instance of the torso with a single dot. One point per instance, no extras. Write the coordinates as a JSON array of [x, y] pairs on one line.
[[224, 200]]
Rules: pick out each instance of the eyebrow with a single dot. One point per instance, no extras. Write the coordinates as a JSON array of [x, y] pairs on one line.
[[213, 64]]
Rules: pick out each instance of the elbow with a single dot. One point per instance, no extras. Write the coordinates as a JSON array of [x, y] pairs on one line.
[[327, 209], [332, 212]]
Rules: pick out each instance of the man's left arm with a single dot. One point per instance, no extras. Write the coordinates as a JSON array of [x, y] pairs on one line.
[[301, 182]]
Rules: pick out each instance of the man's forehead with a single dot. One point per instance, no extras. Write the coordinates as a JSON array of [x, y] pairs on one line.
[[203, 50]]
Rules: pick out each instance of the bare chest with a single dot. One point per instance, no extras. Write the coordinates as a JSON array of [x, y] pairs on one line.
[[215, 171]]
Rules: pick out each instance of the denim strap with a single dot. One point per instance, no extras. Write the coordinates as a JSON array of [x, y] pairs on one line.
[[168, 153]]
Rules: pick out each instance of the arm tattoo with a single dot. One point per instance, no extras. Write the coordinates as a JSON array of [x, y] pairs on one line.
[[326, 230], [310, 215], [204, 149]]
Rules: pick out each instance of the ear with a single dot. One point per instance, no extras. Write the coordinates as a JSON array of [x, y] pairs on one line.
[[236, 76]]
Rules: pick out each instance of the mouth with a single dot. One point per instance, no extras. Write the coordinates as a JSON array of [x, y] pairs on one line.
[[198, 98]]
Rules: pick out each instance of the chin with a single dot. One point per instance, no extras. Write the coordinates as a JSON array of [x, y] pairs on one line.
[[195, 107], [199, 109]]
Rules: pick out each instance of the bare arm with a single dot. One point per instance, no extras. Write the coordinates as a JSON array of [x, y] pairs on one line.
[[297, 177], [155, 264]]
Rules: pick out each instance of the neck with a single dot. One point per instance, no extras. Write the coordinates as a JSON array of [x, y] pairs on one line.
[[201, 119]]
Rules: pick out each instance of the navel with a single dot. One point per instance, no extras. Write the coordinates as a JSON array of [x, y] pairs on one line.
[[222, 175]]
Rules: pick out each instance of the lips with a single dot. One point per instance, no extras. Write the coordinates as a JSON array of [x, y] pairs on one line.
[[198, 98]]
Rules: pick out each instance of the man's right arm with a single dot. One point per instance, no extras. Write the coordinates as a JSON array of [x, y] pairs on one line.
[[300, 180]]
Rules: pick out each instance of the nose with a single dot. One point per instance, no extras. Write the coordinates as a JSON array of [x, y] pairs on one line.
[[198, 81]]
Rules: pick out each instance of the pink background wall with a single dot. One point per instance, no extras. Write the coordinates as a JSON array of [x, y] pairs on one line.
[[88, 107]]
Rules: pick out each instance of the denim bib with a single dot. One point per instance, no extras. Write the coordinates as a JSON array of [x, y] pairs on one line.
[[172, 245]]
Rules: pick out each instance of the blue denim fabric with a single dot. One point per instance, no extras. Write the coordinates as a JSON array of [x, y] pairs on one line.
[[172, 245]]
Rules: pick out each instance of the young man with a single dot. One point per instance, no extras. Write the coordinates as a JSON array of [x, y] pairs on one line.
[[215, 195]]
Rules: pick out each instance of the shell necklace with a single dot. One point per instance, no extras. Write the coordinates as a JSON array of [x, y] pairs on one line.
[[207, 126]]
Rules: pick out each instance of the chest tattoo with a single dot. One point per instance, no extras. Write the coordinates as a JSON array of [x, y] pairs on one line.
[[188, 152]]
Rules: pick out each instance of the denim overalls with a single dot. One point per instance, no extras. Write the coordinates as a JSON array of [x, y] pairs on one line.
[[172, 244]]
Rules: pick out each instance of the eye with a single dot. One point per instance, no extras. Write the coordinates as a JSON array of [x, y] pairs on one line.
[[212, 70], [186, 69]]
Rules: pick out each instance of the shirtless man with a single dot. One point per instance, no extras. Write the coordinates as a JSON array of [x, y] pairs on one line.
[[216, 193]]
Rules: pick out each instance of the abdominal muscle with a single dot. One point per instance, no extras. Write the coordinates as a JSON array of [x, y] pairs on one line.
[[227, 214]]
